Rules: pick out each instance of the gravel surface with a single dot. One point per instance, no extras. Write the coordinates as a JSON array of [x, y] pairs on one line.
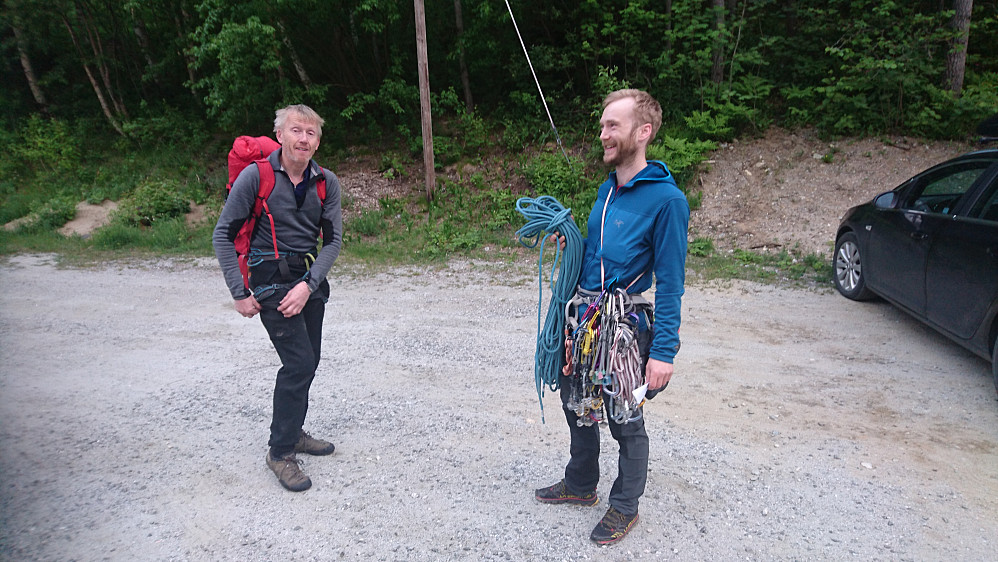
[[799, 426]]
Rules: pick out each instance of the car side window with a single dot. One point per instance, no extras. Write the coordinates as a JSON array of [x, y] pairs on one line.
[[987, 207], [940, 191]]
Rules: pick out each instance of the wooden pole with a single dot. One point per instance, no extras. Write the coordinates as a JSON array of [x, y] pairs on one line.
[[424, 98]]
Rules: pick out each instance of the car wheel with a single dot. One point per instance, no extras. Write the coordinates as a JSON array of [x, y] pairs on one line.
[[848, 265]]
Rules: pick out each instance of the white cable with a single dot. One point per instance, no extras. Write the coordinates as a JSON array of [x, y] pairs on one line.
[[531, 65]]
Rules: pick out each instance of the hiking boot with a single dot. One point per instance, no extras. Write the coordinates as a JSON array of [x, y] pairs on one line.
[[560, 494], [312, 446], [613, 527], [288, 471]]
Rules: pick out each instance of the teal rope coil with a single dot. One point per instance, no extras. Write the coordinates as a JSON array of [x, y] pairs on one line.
[[545, 216]]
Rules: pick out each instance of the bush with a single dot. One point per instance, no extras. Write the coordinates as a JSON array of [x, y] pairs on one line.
[[701, 247], [153, 201], [47, 146], [550, 174], [48, 214], [681, 155]]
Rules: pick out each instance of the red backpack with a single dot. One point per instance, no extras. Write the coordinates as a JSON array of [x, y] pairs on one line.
[[245, 151]]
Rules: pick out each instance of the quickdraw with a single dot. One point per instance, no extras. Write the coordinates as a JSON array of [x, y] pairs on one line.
[[603, 361]]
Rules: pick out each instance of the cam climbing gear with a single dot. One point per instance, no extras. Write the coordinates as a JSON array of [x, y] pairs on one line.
[[603, 359], [545, 215]]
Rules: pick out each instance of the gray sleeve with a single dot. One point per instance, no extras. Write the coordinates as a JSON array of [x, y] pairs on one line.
[[331, 225], [238, 207]]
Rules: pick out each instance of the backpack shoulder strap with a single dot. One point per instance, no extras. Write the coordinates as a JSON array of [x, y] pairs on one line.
[[266, 179], [263, 192], [320, 186]]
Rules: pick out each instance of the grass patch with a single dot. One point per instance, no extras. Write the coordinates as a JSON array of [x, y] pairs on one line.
[[788, 267]]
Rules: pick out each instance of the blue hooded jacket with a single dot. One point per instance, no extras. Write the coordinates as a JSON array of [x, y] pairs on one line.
[[644, 232]]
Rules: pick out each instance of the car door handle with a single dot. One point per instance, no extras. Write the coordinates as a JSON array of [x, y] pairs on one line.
[[918, 235]]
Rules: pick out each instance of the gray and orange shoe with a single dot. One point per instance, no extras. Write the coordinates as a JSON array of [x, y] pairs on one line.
[[613, 527], [559, 493]]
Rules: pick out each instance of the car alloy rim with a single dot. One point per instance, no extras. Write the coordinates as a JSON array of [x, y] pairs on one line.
[[847, 267]]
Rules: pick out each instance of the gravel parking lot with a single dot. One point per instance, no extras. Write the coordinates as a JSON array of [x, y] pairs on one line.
[[799, 426]]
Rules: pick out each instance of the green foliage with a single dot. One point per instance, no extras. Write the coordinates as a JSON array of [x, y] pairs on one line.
[[550, 174], [394, 104], [165, 127], [368, 223], [47, 215], [239, 64], [681, 155], [705, 124], [153, 201], [47, 147], [785, 267], [701, 247]]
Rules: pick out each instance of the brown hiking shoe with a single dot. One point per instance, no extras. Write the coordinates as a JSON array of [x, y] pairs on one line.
[[288, 471], [312, 446], [560, 494], [613, 527]]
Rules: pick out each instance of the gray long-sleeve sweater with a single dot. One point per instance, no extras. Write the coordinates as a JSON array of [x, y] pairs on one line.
[[297, 229]]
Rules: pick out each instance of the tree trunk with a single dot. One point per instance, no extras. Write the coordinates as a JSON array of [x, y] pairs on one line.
[[668, 32], [717, 55], [790, 15], [956, 58], [108, 113], [97, 47], [295, 60], [180, 19], [139, 29], [29, 71], [469, 102]]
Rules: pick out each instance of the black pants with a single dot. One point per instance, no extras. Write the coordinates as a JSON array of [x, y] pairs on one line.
[[582, 472], [298, 341]]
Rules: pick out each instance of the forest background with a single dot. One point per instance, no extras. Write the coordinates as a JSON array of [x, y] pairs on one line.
[[137, 101]]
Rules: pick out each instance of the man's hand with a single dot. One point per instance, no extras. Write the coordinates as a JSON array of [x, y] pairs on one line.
[[248, 307], [295, 300], [559, 238], [657, 374]]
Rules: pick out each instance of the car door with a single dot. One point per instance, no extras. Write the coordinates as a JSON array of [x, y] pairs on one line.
[[961, 279], [900, 238]]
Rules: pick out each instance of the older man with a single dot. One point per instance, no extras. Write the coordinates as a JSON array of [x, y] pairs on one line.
[[287, 276]]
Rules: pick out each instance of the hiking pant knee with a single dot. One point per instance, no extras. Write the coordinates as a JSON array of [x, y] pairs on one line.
[[582, 471], [298, 342]]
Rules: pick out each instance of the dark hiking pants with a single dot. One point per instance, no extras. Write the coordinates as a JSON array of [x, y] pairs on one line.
[[298, 341], [582, 472]]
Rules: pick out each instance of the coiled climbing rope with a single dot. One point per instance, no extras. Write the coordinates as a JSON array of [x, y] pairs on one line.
[[545, 215]]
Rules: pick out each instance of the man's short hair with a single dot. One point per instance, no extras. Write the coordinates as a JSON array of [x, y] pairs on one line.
[[646, 108], [303, 111]]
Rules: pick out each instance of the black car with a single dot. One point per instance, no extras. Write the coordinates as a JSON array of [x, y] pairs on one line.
[[930, 247]]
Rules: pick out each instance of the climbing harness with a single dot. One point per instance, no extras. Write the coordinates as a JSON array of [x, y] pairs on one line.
[[284, 261], [545, 215]]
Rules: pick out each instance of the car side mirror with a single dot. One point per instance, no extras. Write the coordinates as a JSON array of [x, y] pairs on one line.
[[886, 200]]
